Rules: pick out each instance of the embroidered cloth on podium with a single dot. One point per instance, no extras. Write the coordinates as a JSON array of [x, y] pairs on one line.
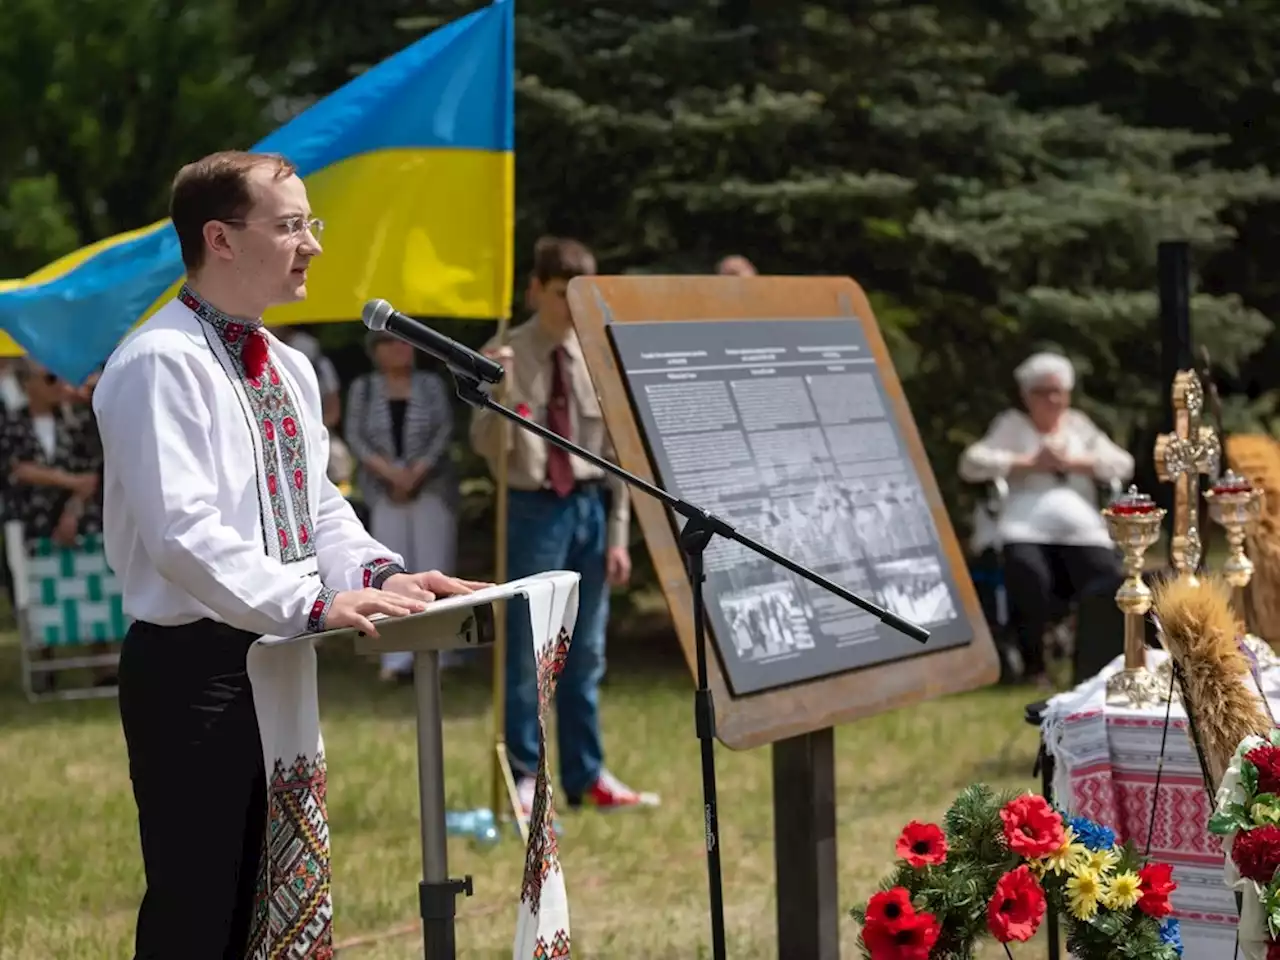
[[294, 913], [1106, 760]]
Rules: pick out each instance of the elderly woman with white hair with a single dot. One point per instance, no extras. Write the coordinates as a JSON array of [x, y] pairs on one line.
[[1053, 457]]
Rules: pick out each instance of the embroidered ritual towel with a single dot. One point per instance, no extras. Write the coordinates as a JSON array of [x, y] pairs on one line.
[[293, 915], [542, 918], [294, 911]]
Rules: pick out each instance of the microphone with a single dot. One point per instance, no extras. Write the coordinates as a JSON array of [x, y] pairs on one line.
[[379, 316]]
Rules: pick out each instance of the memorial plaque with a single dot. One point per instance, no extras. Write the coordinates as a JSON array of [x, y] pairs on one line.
[[782, 427], [772, 402]]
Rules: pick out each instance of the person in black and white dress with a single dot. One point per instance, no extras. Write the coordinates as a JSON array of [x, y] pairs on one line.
[[399, 424], [52, 460]]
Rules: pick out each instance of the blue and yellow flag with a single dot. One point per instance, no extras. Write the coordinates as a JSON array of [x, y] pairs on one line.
[[410, 165]]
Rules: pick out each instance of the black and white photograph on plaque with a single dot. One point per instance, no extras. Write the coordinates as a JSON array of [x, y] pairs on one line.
[[915, 589], [783, 429], [766, 622]]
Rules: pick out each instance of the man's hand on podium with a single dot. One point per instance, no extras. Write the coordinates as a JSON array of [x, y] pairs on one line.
[[430, 585], [353, 608]]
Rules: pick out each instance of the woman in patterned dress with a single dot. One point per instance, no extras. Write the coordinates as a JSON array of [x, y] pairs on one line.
[[399, 424], [53, 461], [52, 474]]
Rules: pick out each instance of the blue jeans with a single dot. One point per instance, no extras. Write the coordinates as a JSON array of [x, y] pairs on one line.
[[546, 532]]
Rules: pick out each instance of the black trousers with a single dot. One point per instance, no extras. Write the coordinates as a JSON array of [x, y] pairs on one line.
[[195, 759], [1039, 576]]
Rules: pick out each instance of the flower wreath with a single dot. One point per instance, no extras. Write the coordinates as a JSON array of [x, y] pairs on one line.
[[994, 869], [1247, 816]]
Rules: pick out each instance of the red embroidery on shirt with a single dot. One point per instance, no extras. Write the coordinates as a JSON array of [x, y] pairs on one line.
[[254, 354]]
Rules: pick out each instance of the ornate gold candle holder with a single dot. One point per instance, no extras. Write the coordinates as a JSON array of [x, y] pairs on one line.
[[1236, 505], [1134, 521]]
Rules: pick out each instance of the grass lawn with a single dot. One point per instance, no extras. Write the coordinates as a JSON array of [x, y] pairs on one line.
[[70, 874]]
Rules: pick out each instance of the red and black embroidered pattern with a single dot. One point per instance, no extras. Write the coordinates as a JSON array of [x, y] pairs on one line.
[[376, 572], [542, 855], [273, 410], [551, 661], [293, 911], [320, 610]]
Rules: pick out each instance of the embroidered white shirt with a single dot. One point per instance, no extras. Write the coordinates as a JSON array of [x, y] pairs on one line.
[[1044, 507], [216, 502]]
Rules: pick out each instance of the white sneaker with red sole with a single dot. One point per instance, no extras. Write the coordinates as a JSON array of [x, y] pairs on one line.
[[610, 793]]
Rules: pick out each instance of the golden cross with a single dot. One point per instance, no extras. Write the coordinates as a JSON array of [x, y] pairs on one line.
[[1181, 456]]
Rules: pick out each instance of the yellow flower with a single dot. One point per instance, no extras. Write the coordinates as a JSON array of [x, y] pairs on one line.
[[1084, 888], [1122, 891], [1265, 813], [1101, 862], [1067, 858]]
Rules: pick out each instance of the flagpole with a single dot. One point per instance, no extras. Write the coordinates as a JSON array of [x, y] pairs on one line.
[[504, 798]]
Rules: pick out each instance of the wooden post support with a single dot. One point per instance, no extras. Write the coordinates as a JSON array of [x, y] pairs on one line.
[[804, 846]]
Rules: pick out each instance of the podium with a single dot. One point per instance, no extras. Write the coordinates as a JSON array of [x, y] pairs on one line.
[[453, 623]]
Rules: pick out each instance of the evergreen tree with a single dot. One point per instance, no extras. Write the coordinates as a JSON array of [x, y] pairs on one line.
[[940, 154]]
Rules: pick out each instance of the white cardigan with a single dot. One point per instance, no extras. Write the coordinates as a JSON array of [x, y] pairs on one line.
[[1043, 507]]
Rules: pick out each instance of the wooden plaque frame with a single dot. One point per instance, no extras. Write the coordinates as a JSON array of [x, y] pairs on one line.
[[761, 718]]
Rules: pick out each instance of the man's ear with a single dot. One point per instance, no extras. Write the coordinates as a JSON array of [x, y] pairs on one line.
[[533, 293], [216, 240]]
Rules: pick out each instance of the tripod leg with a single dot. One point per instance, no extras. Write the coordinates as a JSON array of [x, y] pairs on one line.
[[694, 540]]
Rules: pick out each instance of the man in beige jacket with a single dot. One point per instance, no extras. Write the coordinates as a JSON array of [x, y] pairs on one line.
[[565, 514]]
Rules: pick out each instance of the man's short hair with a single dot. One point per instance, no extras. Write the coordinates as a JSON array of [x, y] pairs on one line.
[[560, 258], [215, 188]]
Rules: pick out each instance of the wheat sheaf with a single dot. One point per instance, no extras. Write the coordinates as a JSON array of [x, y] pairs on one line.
[[1200, 631]]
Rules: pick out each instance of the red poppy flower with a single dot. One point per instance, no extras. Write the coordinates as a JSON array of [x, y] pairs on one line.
[[1032, 828], [1267, 759], [1157, 884], [911, 941], [890, 909], [1256, 852], [922, 844], [1017, 907]]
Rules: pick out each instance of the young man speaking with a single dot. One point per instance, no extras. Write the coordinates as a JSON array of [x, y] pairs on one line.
[[222, 526]]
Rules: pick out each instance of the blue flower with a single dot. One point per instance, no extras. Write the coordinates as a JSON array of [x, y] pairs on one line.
[[1092, 835], [1171, 934]]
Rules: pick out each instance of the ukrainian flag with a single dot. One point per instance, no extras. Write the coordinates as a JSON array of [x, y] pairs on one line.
[[412, 168]]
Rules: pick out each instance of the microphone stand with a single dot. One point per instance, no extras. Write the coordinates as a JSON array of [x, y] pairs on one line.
[[698, 530]]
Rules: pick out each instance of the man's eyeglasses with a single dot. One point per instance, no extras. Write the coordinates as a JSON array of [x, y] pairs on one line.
[[293, 226]]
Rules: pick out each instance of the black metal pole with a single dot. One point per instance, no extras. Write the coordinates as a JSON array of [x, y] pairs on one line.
[[693, 541], [1173, 262]]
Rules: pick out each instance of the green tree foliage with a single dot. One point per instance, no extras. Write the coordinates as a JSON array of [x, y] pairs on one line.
[[957, 159], [101, 102]]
